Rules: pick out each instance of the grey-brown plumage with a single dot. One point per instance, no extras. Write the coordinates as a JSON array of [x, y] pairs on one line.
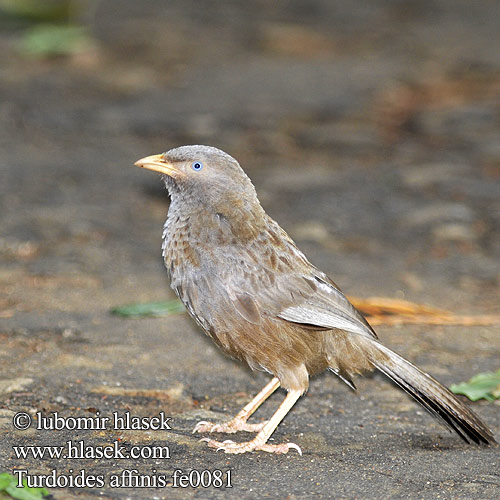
[[250, 288]]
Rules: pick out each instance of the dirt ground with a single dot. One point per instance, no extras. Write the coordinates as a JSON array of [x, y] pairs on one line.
[[372, 133]]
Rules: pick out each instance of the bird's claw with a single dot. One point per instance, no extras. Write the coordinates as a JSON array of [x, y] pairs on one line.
[[224, 442], [221, 447], [235, 448], [200, 425], [295, 447]]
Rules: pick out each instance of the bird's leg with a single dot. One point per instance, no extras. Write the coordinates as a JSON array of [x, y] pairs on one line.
[[239, 422], [259, 442]]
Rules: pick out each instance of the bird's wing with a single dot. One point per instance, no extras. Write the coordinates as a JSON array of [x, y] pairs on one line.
[[284, 284], [327, 307]]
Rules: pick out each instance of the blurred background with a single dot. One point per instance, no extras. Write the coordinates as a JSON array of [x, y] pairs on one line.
[[370, 129]]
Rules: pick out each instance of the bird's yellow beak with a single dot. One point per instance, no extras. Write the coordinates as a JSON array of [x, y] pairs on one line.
[[158, 164]]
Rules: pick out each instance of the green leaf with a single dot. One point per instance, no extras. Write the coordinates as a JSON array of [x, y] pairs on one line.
[[8, 486], [5, 480], [46, 40], [481, 386], [35, 10], [149, 309]]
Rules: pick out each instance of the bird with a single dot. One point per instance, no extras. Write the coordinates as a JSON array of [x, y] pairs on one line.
[[256, 295]]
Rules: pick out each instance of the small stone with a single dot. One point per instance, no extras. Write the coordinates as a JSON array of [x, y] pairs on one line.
[[14, 385], [439, 212], [420, 176], [454, 232]]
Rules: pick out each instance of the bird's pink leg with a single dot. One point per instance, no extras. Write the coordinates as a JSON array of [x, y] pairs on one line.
[[260, 440], [239, 422]]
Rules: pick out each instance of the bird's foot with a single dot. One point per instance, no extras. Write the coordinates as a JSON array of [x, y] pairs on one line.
[[254, 445], [235, 425]]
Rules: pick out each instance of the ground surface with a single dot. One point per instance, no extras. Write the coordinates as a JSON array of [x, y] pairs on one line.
[[372, 133]]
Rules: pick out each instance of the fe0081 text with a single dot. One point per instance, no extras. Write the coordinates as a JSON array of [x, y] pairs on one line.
[[204, 478]]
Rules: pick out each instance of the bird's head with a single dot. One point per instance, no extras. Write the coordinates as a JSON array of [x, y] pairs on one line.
[[203, 175]]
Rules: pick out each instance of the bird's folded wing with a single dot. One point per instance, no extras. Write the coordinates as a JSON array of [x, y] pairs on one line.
[[310, 314], [327, 307], [283, 284]]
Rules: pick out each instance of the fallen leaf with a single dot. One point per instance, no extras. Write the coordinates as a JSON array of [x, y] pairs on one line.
[[149, 309], [47, 40], [481, 386], [8, 486]]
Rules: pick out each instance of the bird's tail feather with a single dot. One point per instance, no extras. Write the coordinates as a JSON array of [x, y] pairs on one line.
[[432, 395]]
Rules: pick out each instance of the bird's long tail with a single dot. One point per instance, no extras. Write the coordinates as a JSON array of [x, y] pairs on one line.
[[432, 395]]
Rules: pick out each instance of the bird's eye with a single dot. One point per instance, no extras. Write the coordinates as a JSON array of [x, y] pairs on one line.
[[197, 166]]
